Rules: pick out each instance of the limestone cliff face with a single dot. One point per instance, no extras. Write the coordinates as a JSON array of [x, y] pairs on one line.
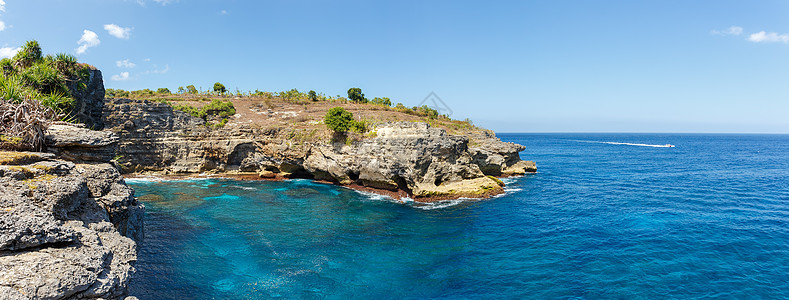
[[66, 230], [89, 100], [410, 157]]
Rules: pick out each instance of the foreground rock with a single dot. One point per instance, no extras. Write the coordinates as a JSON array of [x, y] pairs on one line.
[[66, 230], [77, 143], [406, 158]]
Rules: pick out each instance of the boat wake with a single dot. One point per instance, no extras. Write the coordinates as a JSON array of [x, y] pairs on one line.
[[629, 144]]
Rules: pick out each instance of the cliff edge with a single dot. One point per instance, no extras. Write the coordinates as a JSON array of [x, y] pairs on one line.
[[401, 155]]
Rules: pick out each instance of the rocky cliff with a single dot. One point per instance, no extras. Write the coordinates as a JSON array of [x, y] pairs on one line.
[[89, 100], [410, 158], [68, 229]]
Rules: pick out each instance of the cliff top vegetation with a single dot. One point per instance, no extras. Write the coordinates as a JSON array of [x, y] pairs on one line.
[[298, 111], [34, 90]]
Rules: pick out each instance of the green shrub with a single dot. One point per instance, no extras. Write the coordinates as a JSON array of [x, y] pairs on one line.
[[12, 88], [360, 126], [194, 111], [58, 102], [65, 64], [313, 95], [263, 94], [338, 119], [401, 108], [219, 108], [116, 93], [382, 101], [6, 64], [428, 112], [45, 78], [355, 95], [163, 91], [292, 95], [220, 124], [190, 89], [142, 93]]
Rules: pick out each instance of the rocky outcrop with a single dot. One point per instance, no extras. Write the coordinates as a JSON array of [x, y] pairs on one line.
[[66, 230], [415, 157], [89, 100], [76, 143], [410, 157], [497, 158]]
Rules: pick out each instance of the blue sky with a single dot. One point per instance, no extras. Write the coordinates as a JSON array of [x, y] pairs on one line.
[[512, 66]]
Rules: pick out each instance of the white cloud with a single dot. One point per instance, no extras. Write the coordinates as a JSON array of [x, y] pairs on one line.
[[733, 30], [117, 31], [7, 52], [88, 39], [121, 77], [2, 9], [162, 71], [223, 12], [771, 37], [125, 64], [162, 2]]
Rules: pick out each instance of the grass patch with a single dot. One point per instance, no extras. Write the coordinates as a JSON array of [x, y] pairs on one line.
[[17, 158]]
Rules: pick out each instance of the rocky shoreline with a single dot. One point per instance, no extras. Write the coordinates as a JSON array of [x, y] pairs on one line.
[[412, 159]]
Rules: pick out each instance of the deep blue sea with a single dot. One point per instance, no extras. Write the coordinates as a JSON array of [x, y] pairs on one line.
[[708, 218]]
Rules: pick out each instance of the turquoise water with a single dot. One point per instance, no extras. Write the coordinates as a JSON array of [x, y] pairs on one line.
[[708, 218]]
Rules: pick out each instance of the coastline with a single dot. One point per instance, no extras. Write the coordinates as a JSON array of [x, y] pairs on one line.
[[398, 195]]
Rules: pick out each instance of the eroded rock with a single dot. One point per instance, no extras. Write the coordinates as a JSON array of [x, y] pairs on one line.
[[66, 231]]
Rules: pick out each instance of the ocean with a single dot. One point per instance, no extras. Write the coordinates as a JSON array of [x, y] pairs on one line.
[[607, 216]]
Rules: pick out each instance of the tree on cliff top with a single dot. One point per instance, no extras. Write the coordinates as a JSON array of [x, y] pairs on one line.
[[338, 119], [220, 88], [355, 94]]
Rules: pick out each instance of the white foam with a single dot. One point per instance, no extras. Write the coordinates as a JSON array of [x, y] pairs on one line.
[[143, 180], [150, 179], [374, 196], [442, 203], [243, 187]]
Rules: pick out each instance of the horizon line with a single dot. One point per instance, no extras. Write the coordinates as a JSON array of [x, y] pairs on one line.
[[633, 132]]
